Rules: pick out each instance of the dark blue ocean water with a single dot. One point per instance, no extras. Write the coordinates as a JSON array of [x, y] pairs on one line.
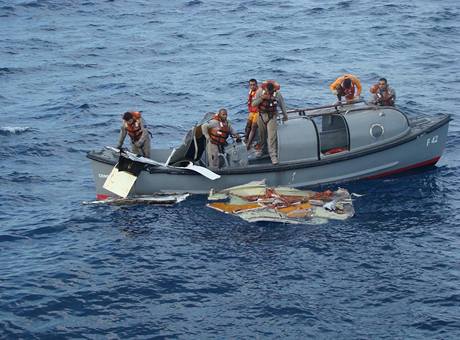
[[68, 69]]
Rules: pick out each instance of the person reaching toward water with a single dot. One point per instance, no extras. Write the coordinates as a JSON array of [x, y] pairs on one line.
[[383, 94], [347, 86], [134, 126]]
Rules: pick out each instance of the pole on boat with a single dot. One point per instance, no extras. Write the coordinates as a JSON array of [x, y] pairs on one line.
[[302, 111]]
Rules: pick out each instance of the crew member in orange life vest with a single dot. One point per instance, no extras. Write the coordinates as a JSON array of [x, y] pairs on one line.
[[269, 99], [347, 86], [134, 125], [216, 131], [253, 115], [383, 94]]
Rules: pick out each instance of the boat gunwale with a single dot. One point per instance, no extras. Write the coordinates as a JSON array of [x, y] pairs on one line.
[[264, 168]]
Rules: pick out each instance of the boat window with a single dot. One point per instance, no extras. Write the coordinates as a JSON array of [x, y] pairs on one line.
[[333, 134]]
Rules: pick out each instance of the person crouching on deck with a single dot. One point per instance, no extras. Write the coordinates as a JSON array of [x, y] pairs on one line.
[[134, 125], [347, 86], [216, 131]]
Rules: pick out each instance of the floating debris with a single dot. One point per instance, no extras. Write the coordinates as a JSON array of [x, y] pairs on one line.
[[255, 202], [160, 199]]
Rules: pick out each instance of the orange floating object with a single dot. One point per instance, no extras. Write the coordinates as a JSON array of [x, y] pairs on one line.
[[296, 210], [233, 208]]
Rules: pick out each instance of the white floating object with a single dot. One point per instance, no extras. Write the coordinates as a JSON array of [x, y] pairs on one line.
[[119, 182]]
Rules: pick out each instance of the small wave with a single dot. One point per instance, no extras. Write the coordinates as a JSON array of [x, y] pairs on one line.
[[7, 8], [10, 238], [151, 101], [13, 130], [282, 59], [317, 10], [6, 70], [38, 232], [344, 4], [22, 177], [33, 4], [193, 3]]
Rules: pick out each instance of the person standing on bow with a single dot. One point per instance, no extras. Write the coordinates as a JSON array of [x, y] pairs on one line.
[[269, 99], [253, 115], [347, 86], [216, 131], [383, 94], [134, 126]]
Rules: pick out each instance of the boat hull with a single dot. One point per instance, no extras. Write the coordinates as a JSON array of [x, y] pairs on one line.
[[418, 150]]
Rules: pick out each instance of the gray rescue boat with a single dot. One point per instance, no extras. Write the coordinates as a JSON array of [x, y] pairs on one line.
[[316, 146]]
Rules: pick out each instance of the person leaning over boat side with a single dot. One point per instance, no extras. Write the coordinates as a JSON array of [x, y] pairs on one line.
[[268, 99], [253, 115], [216, 131], [382, 93], [134, 125], [347, 86]]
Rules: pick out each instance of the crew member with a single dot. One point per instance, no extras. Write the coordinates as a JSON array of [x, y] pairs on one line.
[[134, 125], [383, 94], [269, 99], [347, 86], [216, 131], [253, 115]]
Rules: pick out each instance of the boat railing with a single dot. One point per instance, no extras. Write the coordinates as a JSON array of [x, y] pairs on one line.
[[324, 109]]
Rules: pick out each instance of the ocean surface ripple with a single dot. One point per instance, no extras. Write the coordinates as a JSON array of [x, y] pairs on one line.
[[68, 69]]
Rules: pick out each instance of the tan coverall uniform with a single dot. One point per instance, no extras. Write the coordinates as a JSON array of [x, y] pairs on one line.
[[140, 146], [268, 126], [213, 150]]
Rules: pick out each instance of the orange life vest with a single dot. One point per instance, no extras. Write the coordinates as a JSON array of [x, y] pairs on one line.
[[251, 96], [134, 130], [349, 92], [269, 105], [219, 135], [384, 97], [274, 82]]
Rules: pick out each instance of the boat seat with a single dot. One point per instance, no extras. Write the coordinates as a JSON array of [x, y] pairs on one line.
[[334, 150], [191, 149]]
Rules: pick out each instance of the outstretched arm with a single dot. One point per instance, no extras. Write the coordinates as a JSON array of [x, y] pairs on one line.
[[122, 137], [280, 99]]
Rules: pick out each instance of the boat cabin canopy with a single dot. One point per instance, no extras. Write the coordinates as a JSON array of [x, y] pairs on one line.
[[311, 137]]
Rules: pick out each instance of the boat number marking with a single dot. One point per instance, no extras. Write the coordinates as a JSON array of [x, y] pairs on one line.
[[432, 140], [103, 176]]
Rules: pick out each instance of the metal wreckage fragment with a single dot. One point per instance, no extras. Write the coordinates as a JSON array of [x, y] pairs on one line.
[[256, 202]]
